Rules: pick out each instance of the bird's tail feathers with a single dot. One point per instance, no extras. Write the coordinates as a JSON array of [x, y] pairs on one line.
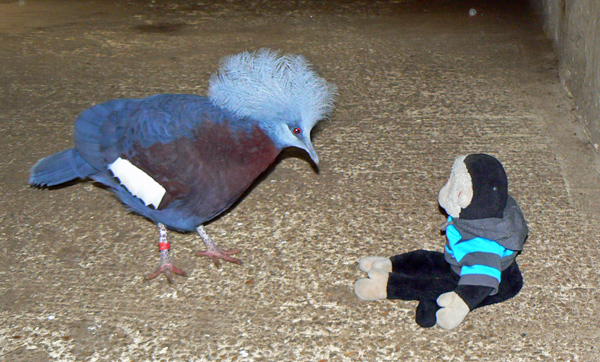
[[59, 168]]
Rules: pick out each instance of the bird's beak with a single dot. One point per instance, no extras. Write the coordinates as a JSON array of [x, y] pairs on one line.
[[308, 147]]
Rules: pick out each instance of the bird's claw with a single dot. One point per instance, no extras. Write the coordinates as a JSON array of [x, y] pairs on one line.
[[217, 254], [169, 270]]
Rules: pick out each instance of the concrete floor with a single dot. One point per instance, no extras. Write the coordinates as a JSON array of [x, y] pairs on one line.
[[420, 83]]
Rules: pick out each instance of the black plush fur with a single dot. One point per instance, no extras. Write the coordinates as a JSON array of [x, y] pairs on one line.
[[490, 187], [424, 275]]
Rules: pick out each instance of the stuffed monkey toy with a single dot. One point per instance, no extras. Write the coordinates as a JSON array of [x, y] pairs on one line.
[[485, 231]]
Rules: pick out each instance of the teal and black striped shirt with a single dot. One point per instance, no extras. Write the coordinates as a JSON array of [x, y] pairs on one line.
[[479, 250]]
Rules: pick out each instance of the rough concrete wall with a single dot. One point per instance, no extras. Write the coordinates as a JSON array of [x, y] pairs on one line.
[[574, 26]]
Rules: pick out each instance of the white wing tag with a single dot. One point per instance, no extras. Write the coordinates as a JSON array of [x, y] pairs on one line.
[[136, 181]]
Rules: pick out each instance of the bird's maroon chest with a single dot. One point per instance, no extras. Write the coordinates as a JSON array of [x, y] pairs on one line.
[[206, 173]]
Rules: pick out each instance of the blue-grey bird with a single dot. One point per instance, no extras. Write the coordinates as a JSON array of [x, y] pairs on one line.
[[181, 160]]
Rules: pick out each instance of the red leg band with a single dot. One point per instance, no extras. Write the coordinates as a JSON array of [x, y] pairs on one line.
[[164, 246]]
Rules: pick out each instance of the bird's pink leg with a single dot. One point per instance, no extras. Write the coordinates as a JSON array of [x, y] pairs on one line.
[[165, 266], [214, 252]]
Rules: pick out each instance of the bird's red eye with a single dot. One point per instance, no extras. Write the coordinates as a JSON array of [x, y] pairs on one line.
[[297, 130]]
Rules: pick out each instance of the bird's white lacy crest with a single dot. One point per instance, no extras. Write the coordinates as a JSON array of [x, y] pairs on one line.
[[267, 86], [137, 182]]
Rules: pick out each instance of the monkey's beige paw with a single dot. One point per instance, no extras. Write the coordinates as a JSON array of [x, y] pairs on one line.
[[374, 287], [375, 262]]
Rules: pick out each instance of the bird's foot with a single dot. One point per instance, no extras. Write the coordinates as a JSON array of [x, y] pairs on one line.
[[216, 253], [168, 269], [165, 266]]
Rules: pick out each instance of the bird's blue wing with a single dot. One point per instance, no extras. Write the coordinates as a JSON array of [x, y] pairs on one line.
[[109, 130], [153, 146], [117, 138]]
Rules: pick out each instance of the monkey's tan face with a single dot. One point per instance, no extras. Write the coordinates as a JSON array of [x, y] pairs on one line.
[[458, 191]]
